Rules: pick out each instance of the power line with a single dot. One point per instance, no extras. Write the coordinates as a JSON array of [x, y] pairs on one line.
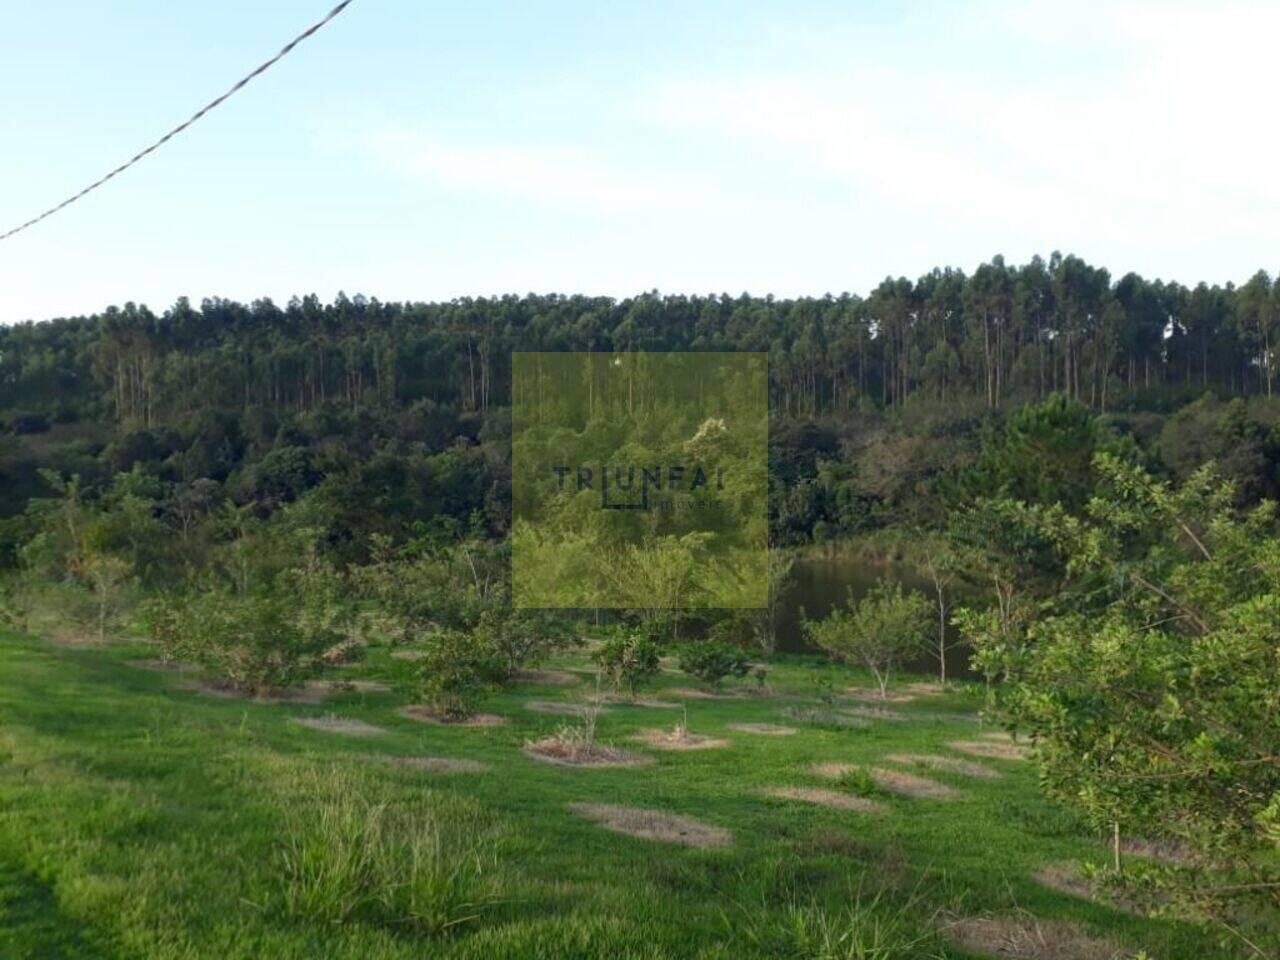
[[262, 68]]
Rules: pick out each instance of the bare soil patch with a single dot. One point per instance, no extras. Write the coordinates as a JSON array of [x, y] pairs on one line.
[[63, 637], [556, 750], [343, 725], [679, 739], [163, 666], [909, 785], [831, 771], [435, 764], [825, 798], [924, 688], [1067, 878], [654, 825], [554, 678], [1029, 938], [691, 693], [561, 709], [425, 714], [407, 654], [872, 695], [991, 749], [875, 713], [824, 718], [349, 686], [1167, 851], [997, 736], [965, 768], [226, 691], [625, 701], [764, 729]]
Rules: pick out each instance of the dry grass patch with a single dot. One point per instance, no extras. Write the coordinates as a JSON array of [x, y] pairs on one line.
[[434, 764], [349, 686], [825, 798], [925, 688], [1167, 851], [679, 738], [875, 713], [68, 637], [1028, 938], [625, 701], [567, 752], [965, 768], [824, 718], [691, 693], [408, 654], [653, 825], [1067, 878], [553, 678], [227, 691], [831, 771], [764, 729], [909, 785], [991, 749], [560, 709], [163, 666], [343, 725], [426, 714], [872, 695]]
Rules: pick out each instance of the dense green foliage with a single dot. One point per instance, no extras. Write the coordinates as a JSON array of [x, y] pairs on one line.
[[1149, 678], [712, 661], [629, 659]]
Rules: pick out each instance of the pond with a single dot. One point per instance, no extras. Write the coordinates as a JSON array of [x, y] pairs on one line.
[[819, 583]]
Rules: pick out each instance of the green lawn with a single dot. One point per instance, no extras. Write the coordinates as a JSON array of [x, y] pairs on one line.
[[139, 818]]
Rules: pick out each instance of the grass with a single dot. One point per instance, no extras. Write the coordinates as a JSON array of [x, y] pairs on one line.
[[139, 819]]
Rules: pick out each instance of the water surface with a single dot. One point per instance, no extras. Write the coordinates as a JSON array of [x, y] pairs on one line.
[[819, 583]]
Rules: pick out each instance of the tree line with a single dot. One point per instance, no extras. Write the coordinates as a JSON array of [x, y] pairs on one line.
[[1001, 336]]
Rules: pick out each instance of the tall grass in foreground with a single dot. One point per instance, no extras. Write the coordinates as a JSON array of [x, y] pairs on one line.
[[859, 928], [426, 865]]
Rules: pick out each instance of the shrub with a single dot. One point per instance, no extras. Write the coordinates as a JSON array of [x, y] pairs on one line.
[[711, 662], [254, 641], [269, 636], [880, 630], [458, 669], [629, 660], [523, 638]]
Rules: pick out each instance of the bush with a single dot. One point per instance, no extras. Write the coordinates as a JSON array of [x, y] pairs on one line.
[[523, 638], [255, 641], [629, 660], [269, 636], [459, 668], [711, 662], [881, 630]]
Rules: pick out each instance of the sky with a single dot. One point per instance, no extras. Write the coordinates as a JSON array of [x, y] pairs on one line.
[[417, 150]]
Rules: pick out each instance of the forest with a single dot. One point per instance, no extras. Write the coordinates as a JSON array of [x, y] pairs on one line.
[[873, 397], [1085, 469]]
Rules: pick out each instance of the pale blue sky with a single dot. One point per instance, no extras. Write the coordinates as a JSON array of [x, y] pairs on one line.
[[417, 150]]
